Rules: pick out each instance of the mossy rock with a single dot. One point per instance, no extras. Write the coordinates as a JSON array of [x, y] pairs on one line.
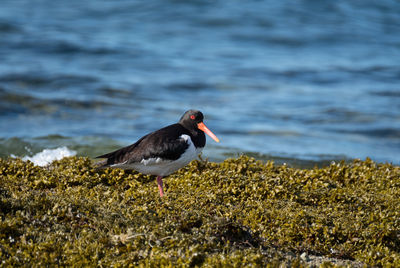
[[236, 213]]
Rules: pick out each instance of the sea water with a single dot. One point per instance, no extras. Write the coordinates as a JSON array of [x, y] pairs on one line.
[[290, 81]]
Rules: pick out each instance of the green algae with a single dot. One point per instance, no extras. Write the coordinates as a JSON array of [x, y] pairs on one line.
[[235, 213]]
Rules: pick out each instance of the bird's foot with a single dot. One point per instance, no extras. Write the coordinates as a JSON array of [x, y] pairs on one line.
[[160, 185]]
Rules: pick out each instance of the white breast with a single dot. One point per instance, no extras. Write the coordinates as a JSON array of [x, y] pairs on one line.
[[160, 167]]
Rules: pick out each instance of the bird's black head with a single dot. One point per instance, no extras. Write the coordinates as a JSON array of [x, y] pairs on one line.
[[191, 118], [193, 121]]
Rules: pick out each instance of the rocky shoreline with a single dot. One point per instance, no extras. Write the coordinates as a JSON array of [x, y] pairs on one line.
[[235, 213]]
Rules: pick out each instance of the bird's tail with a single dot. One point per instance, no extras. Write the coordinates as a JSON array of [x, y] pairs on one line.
[[101, 164]]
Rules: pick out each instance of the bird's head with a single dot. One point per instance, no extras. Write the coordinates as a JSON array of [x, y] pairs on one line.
[[193, 119]]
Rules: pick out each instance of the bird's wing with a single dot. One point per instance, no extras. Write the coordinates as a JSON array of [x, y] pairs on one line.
[[154, 145], [120, 155]]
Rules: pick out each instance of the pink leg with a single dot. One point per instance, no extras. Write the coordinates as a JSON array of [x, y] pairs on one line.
[[160, 185]]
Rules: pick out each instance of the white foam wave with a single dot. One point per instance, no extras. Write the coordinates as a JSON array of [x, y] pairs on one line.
[[47, 156]]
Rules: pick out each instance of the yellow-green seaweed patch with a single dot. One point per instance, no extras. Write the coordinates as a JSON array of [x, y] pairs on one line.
[[235, 213]]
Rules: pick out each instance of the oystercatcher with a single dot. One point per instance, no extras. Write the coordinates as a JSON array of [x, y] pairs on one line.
[[164, 151]]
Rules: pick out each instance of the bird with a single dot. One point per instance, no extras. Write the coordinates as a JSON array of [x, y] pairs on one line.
[[163, 151]]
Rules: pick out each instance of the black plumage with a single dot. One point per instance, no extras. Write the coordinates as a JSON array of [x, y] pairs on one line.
[[171, 147]]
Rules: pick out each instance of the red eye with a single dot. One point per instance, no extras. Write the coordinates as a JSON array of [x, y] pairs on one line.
[[192, 117]]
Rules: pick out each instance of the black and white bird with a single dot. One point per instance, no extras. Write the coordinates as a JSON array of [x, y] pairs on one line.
[[164, 151]]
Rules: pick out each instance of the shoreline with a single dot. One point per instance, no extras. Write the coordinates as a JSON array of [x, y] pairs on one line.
[[237, 212]]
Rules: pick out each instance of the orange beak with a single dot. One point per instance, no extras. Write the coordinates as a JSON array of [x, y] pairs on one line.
[[203, 127]]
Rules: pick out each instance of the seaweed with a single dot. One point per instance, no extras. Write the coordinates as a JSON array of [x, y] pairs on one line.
[[236, 213]]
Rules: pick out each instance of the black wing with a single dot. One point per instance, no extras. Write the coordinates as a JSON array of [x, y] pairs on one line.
[[165, 143]]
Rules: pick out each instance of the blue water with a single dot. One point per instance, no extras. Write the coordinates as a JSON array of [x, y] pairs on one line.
[[306, 80]]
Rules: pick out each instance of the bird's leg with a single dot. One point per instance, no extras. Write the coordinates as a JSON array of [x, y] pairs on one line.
[[160, 185]]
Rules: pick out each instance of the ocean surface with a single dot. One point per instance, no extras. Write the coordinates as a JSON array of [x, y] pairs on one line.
[[292, 81]]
